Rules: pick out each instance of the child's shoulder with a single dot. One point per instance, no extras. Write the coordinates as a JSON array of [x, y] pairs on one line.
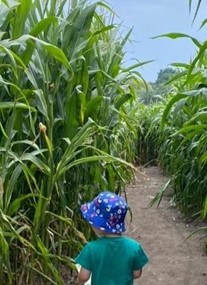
[[131, 241]]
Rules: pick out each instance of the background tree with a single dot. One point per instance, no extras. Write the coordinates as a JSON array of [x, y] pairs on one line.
[[158, 90], [164, 75]]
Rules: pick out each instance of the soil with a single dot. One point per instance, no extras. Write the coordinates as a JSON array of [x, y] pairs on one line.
[[162, 231]]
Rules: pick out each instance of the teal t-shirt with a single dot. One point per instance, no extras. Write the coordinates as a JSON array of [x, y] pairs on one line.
[[112, 260]]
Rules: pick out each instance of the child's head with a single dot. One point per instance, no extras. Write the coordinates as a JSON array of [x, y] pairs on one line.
[[106, 212]]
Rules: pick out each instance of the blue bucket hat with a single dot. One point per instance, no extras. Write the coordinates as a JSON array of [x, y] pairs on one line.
[[106, 212]]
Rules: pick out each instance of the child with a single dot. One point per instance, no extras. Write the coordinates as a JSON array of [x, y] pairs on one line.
[[112, 259]]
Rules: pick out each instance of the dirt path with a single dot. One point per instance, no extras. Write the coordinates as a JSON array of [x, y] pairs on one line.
[[161, 231]]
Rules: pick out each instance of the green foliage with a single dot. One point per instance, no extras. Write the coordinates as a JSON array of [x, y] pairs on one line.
[[65, 126], [149, 118], [158, 90], [178, 132], [164, 75], [181, 135], [197, 7]]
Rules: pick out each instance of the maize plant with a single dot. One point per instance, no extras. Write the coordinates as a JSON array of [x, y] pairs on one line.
[[66, 130], [182, 131]]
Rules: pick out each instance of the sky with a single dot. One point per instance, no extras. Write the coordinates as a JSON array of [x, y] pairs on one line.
[[151, 18]]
